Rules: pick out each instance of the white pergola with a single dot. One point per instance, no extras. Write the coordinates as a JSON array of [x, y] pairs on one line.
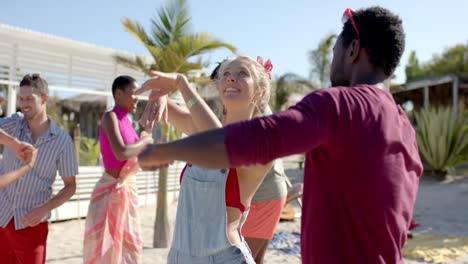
[[67, 65]]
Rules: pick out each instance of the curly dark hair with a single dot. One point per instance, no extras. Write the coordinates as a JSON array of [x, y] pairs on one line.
[[381, 34]]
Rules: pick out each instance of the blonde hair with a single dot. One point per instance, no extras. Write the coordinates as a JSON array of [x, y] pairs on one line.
[[261, 81]]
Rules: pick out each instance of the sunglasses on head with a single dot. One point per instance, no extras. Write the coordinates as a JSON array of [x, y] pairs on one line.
[[348, 15]]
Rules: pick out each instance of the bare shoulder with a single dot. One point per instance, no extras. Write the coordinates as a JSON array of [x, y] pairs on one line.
[[109, 118], [109, 115]]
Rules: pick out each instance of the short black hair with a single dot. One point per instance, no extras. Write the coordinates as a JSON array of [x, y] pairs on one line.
[[121, 82], [381, 34]]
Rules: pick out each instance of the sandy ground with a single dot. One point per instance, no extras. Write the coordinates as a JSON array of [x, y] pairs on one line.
[[442, 208], [65, 240]]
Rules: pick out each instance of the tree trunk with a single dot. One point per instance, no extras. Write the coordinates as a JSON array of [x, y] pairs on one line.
[[161, 223]]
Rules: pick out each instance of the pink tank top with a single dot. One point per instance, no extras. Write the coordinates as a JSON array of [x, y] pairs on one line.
[[128, 134]]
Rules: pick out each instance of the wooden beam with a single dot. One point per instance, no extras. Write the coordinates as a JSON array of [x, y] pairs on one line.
[[426, 97], [455, 85], [428, 82]]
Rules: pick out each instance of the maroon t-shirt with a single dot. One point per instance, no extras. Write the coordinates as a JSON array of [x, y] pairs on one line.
[[361, 171]]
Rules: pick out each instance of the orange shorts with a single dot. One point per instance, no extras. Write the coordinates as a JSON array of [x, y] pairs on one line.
[[263, 219]]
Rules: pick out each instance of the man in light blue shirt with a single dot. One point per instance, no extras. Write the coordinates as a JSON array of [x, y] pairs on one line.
[[25, 205]]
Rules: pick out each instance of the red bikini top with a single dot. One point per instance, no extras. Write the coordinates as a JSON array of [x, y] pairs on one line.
[[232, 190]]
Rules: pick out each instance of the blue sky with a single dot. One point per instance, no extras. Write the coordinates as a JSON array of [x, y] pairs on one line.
[[284, 31]]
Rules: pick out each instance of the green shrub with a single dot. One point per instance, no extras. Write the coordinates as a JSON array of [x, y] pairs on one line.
[[441, 138], [89, 152]]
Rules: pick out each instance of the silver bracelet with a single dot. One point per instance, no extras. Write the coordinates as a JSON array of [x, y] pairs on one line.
[[193, 101]]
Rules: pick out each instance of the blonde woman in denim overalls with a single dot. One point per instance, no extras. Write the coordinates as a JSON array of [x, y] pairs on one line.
[[213, 204]]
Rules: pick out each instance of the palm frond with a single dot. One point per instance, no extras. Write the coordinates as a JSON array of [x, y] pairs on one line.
[[296, 83], [136, 63], [171, 43], [171, 23], [320, 59], [182, 26], [137, 31], [287, 84], [198, 44]]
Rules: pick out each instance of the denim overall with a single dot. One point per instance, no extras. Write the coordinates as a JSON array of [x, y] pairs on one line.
[[200, 230]]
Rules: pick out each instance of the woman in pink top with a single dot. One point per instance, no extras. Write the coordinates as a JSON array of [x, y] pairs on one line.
[[112, 232]]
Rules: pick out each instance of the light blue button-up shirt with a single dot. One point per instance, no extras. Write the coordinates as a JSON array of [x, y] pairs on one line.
[[55, 153]]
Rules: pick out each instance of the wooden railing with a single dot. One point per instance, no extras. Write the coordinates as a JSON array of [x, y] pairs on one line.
[[147, 183]]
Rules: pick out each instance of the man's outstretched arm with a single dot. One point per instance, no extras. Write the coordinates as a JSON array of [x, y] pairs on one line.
[[204, 149], [308, 124]]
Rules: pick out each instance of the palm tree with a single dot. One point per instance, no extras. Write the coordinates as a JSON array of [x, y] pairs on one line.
[[174, 48], [287, 84], [320, 59]]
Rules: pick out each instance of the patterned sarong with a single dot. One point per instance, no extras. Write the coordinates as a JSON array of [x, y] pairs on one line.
[[112, 233]]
